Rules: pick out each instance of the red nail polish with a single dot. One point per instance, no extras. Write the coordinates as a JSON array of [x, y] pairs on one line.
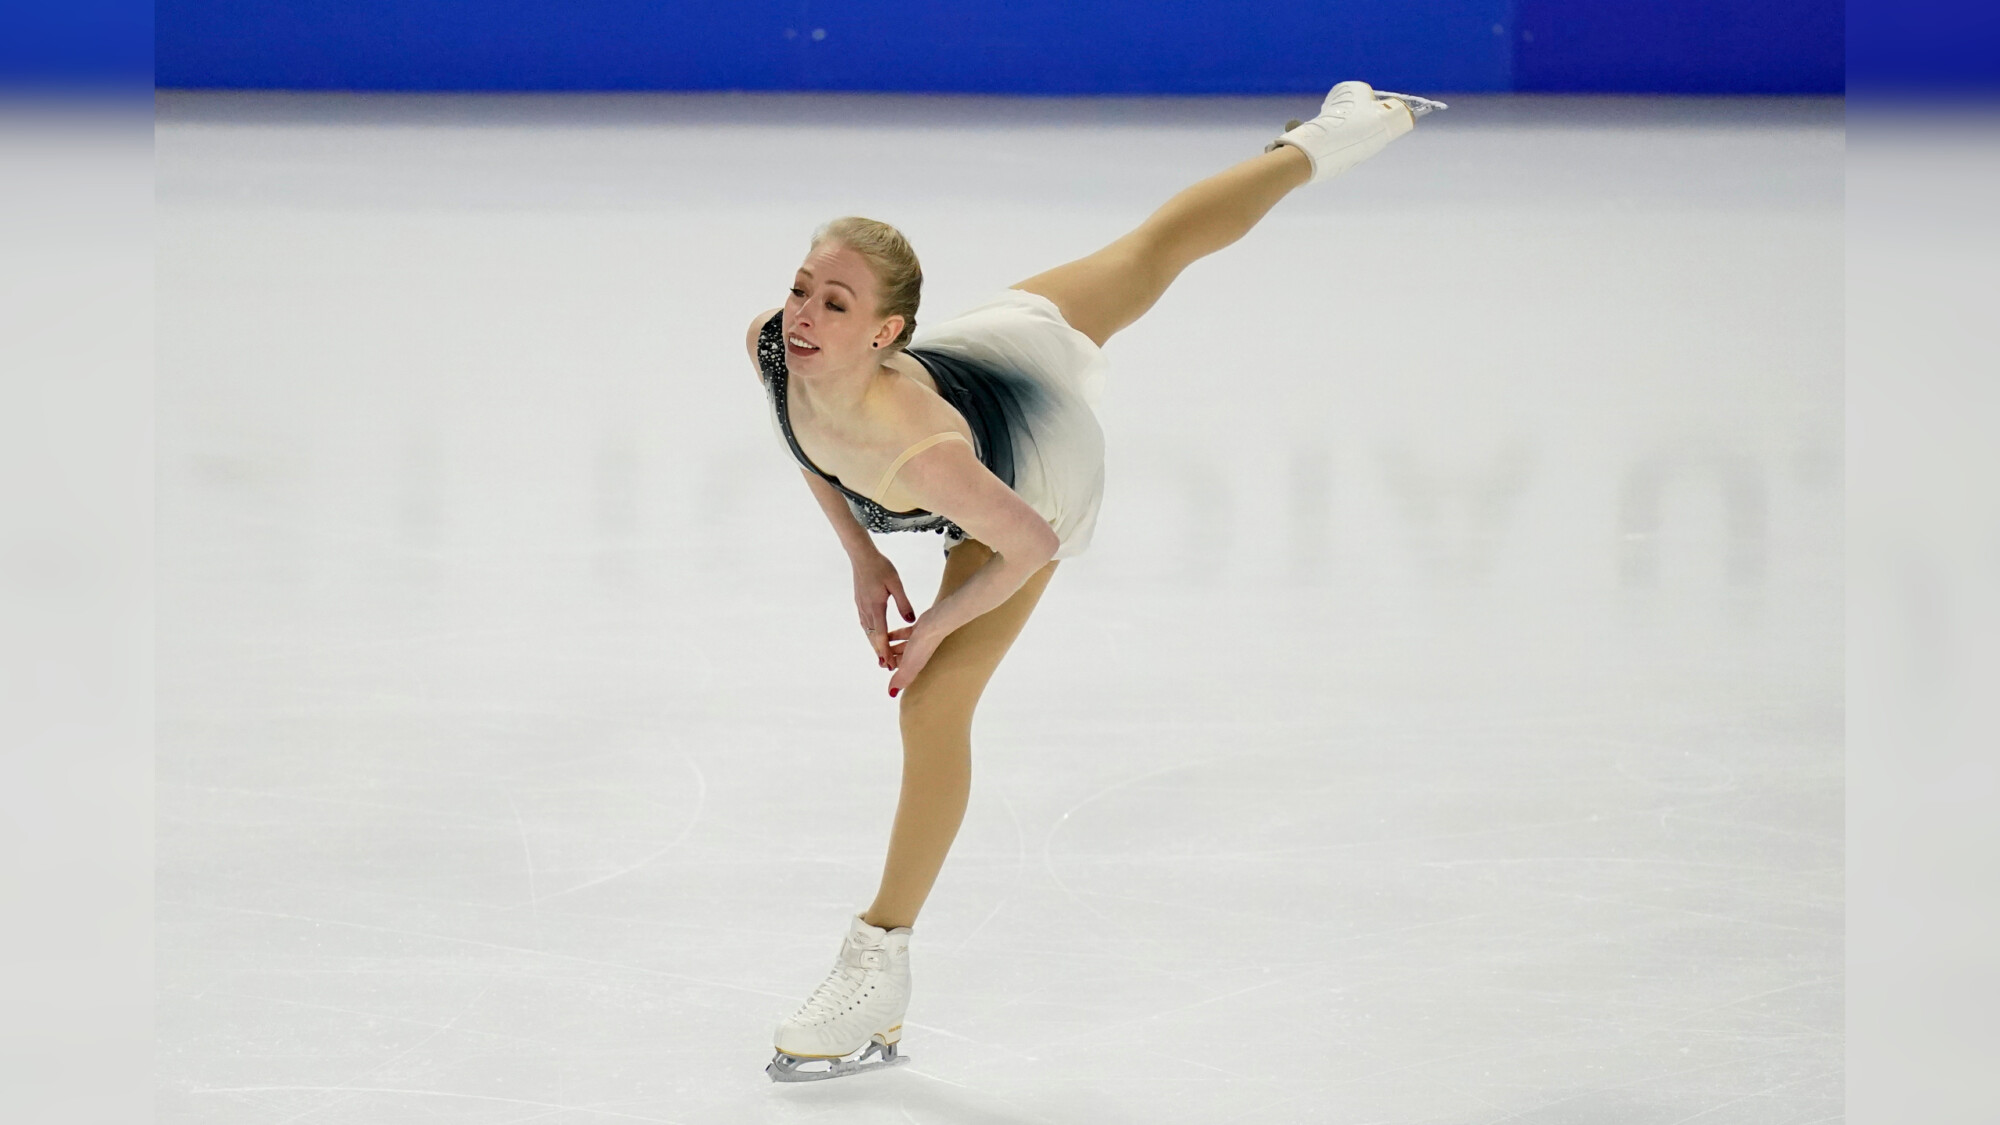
[[893, 691]]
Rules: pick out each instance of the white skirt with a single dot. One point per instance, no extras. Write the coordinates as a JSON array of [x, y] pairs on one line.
[[1059, 470]]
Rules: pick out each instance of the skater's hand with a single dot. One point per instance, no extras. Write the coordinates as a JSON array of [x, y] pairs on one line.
[[919, 641], [875, 582]]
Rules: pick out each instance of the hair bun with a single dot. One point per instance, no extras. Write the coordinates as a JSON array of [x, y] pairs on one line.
[[890, 259]]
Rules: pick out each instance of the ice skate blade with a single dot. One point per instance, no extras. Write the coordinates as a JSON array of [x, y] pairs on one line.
[[1418, 106], [785, 1068]]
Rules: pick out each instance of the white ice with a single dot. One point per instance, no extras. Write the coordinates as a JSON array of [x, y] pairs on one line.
[[1445, 727]]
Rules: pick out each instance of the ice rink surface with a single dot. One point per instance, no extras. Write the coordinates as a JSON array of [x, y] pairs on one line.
[[1446, 726]]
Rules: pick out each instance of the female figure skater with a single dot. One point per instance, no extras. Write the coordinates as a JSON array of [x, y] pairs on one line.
[[982, 432]]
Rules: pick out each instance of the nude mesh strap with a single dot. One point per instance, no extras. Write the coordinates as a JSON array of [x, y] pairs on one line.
[[897, 465]]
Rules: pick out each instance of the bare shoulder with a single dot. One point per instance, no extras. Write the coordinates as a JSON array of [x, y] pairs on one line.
[[927, 469], [750, 341], [916, 411], [915, 415]]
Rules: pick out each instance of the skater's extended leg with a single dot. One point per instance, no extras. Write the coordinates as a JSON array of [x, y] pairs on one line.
[[1110, 289], [936, 722]]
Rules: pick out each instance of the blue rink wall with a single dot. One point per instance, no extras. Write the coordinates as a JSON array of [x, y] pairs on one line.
[[1021, 47]]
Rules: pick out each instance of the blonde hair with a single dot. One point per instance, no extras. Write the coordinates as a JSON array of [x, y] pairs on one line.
[[890, 259]]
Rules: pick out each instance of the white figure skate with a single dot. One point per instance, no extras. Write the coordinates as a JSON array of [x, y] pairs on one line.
[[1354, 123], [859, 1007]]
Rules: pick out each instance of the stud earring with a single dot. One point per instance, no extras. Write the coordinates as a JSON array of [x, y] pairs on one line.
[[874, 345]]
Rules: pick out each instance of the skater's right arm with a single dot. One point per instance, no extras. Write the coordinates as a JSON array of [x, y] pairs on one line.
[[853, 537], [875, 577]]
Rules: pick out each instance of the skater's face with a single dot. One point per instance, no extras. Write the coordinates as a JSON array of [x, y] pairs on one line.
[[830, 316]]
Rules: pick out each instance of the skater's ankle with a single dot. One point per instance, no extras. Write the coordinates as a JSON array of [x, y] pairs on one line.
[[887, 922]]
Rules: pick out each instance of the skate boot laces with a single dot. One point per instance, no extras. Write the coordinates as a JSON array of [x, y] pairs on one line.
[[836, 992]]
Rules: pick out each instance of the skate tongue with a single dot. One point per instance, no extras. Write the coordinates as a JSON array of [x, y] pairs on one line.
[[861, 957]]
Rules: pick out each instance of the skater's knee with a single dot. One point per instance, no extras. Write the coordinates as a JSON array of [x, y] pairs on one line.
[[1149, 257], [934, 724], [934, 716]]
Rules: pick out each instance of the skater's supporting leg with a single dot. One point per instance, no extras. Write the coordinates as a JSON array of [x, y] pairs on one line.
[[936, 721], [1110, 289]]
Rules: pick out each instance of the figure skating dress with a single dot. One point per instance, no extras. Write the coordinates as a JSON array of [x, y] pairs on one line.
[[1027, 385]]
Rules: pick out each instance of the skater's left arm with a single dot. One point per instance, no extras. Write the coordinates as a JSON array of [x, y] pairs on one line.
[[949, 480]]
